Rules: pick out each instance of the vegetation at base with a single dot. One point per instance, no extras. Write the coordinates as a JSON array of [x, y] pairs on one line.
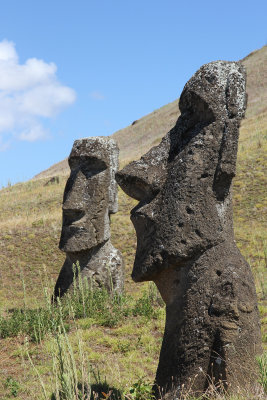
[[74, 377], [262, 361], [13, 386], [102, 308], [34, 323]]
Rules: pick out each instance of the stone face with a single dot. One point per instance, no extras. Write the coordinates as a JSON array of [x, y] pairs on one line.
[[90, 197], [185, 238]]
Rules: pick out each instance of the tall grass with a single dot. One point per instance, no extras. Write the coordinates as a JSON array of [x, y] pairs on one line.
[[84, 301], [74, 378]]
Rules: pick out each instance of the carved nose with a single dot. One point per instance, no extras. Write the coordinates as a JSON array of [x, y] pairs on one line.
[[143, 179], [73, 211], [133, 185], [75, 194], [71, 217], [74, 201], [136, 182]]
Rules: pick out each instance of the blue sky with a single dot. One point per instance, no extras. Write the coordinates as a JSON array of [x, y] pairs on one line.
[[71, 69]]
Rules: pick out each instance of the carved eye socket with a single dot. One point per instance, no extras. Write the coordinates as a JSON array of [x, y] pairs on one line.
[[88, 165], [196, 107]]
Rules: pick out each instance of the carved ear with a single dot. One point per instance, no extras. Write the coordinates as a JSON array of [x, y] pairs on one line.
[[226, 166], [236, 101], [236, 97]]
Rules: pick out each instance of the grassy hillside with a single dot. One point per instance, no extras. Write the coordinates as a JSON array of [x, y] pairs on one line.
[[122, 346], [138, 138]]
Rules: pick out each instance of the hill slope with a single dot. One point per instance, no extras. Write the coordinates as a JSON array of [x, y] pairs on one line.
[[138, 138]]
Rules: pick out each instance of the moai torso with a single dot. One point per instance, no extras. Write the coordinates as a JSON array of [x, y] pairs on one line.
[[90, 197], [185, 238]]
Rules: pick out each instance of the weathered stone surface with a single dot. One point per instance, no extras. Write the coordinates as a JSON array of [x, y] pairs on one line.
[[185, 238], [90, 197]]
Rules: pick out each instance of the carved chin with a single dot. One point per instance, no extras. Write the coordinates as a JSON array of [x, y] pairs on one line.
[[146, 268], [77, 238], [152, 258]]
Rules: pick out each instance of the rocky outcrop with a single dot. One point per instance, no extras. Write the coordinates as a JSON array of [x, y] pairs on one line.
[[90, 197], [185, 238]]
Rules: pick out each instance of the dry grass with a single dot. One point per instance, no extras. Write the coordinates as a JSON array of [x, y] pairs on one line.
[[30, 224]]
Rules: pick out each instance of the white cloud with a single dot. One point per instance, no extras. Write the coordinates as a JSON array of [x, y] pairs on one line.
[[27, 92], [46, 100], [7, 51], [33, 133], [4, 145], [96, 95]]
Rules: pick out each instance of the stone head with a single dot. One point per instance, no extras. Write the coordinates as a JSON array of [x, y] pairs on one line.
[[90, 195], [184, 184]]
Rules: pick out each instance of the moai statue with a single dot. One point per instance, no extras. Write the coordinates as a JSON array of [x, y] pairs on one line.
[[185, 238], [90, 197]]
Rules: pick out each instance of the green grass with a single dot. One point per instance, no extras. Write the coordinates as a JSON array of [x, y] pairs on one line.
[[70, 370], [95, 306]]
